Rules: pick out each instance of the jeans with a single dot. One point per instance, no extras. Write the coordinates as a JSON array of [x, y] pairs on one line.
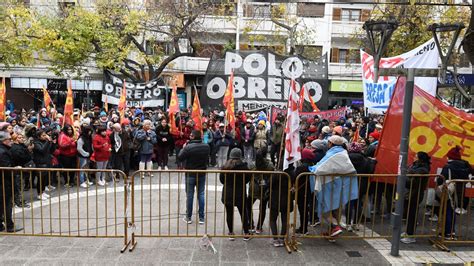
[[195, 180], [450, 218], [222, 155], [83, 164], [101, 175]]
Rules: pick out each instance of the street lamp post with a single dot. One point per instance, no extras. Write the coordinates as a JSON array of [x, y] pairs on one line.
[[380, 31], [88, 79]]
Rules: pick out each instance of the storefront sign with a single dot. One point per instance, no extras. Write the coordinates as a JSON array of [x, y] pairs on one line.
[[346, 86]]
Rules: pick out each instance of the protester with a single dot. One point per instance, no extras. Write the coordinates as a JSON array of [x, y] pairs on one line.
[[222, 142], [234, 192], [260, 189], [120, 154], [276, 138], [248, 136], [374, 141], [22, 157], [6, 196], [84, 149], [305, 194], [102, 147], [43, 150], [416, 186], [195, 156], [147, 138], [163, 137], [68, 154]]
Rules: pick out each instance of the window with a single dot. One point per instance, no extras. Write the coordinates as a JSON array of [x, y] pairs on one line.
[[344, 56], [156, 47], [264, 10], [350, 15], [314, 10]]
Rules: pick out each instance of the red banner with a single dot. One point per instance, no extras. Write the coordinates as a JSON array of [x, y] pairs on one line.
[[331, 115], [435, 129]]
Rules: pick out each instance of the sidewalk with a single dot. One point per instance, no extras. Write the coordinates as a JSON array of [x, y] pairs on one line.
[[17, 250]]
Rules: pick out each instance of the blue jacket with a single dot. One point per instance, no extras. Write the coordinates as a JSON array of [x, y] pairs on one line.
[[226, 141], [146, 145]]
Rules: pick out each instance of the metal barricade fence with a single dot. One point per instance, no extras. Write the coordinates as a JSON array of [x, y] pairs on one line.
[[361, 205], [161, 204], [457, 214], [60, 210]]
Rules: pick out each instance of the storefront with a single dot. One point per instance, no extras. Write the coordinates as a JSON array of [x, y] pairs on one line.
[[346, 93], [27, 92]]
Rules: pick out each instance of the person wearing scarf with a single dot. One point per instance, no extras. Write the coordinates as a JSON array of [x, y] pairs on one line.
[[334, 191]]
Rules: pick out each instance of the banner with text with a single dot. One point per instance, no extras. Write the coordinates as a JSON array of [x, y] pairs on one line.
[[330, 115], [435, 129], [262, 79], [377, 95], [150, 94]]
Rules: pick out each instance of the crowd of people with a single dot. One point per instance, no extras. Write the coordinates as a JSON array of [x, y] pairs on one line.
[[143, 140]]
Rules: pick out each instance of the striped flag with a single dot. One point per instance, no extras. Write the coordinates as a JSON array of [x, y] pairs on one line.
[[69, 106], [313, 104], [292, 136], [228, 101], [3, 100], [302, 98], [123, 102], [196, 113], [173, 109]]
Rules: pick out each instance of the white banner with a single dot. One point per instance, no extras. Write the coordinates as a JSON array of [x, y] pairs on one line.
[[377, 95]]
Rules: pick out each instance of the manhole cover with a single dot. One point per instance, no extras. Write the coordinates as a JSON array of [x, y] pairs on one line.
[[353, 254]]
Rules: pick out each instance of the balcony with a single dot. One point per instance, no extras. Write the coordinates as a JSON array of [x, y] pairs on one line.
[[345, 70], [223, 24], [345, 29], [190, 65]]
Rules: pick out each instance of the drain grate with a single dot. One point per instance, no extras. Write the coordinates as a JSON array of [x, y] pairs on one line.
[[353, 254]]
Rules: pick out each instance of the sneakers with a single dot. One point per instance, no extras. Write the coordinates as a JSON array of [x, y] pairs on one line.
[[247, 237], [315, 223], [300, 231], [336, 230], [408, 240], [43, 196], [277, 243], [328, 236], [166, 168], [231, 236], [187, 220], [89, 183], [159, 168], [434, 218], [258, 231], [460, 211], [201, 221], [84, 185], [49, 188]]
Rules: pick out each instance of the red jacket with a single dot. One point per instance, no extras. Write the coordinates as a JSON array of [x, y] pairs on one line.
[[67, 145], [101, 151], [179, 141]]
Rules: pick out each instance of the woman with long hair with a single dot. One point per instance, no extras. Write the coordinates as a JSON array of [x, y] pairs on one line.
[[84, 149], [42, 156], [234, 193], [68, 153]]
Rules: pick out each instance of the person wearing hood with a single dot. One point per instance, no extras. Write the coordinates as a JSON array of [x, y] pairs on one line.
[[234, 192], [248, 137], [102, 147], [163, 137], [276, 136], [261, 136], [103, 119], [416, 186], [44, 119], [334, 191]]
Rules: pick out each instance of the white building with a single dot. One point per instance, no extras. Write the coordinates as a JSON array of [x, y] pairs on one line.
[[331, 25]]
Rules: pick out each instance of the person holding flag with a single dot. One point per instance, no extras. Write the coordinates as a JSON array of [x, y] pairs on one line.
[[3, 98]]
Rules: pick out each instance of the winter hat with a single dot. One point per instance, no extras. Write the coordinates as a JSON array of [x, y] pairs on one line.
[[454, 153], [261, 122], [103, 113], [308, 154], [336, 140], [221, 125], [249, 121], [4, 135], [375, 135], [86, 121], [319, 144], [355, 147], [326, 130], [338, 130], [235, 153]]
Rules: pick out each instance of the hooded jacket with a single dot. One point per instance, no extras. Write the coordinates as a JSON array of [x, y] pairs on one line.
[[234, 192]]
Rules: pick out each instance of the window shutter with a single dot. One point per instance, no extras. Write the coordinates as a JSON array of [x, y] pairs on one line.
[[365, 15], [334, 55], [336, 14]]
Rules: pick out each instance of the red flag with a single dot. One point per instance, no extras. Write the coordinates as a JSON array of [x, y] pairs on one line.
[[313, 104], [69, 106], [122, 102], [106, 104], [228, 101], [3, 100], [196, 113], [356, 135], [46, 100], [173, 109], [292, 137], [302, 98]]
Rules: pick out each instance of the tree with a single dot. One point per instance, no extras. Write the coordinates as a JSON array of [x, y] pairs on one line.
[[468, 41], [138, 41]]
